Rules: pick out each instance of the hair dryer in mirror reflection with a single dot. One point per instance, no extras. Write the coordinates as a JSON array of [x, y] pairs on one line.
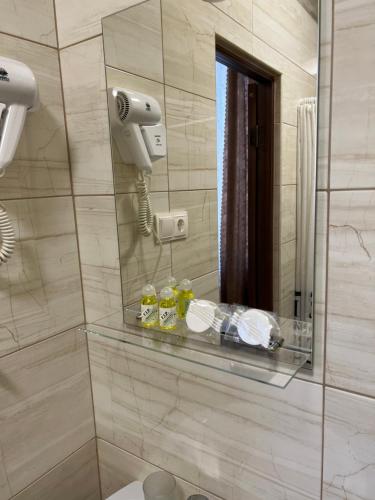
[[140, 138], [18, 95]]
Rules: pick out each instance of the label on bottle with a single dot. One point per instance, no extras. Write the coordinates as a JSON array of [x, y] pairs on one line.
[[184, 306], [167, 317], [149, 313]]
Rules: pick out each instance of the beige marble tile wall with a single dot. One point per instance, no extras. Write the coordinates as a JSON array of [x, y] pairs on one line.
[[349, 445], [237, 463], [45, 395]]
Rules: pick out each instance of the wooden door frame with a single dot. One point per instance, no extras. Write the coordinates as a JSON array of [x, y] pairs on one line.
[[264, 245]]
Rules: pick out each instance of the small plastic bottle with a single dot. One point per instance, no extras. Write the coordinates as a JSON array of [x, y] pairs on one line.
[[172, 283], [149, 307], [185, 296], [167, 309]]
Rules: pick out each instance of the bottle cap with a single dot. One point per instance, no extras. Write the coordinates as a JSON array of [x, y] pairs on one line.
[[166, 293], [148, 290], [172, 282], [185, 285]]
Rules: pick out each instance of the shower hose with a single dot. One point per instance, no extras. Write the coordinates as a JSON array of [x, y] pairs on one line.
[[7, 236]]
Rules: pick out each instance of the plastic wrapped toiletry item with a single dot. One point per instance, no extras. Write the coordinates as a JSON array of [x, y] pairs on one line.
[[149, 307], [185, 296], [236, 323], [160, 486], [167, 309], [172, 283]]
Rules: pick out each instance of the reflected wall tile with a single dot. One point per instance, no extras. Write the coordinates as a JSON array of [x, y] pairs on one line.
[[40, 287], [236, 438], [288, 209], [5, 492], [191, 131], [45, 406], [288, 27], [293, 83], [198, 254], [240, 10], [85, 92], [41, 166], [119, 468], [98, 246], [285, 154], [139, 255], [125, 176], [349, 446], [189, 46], [325, 62], [76, 478], [353, 120], [138, 28], [351, 315], [287, 278], [207, 287], [77, 21], [16, 15]]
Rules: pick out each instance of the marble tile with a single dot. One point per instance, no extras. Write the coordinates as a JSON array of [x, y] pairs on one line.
[[191, 131], [76, 478], [125, 176], [139, 255], [5, 492], [349, 447], [99, 252], [198, 254], [40, 286], [45, 406], [16, 15], [288, 211], [353, 113], [41, 166], [189, 32], [233, 437], [139, 29], [77, 21], [288, 27], [292, 82], [351, 274], [240, 10], [285, 154], [119, 468], [85, 91], [189, 46], [207, 287], [287, 281], [325, 63]]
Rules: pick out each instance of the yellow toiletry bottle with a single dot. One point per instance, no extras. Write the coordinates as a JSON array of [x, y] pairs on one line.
[[149, 307], [167, 309], [185, 296], [172, 283]]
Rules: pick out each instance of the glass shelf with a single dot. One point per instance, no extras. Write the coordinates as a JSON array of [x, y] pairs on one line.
[[275, 368]]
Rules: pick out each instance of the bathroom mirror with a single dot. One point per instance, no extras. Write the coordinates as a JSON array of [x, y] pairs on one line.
[[237, 91]]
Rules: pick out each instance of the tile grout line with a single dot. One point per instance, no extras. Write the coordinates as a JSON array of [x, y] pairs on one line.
[[29, 40]]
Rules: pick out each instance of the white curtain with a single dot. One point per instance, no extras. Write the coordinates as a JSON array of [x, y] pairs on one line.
[[306, 181]]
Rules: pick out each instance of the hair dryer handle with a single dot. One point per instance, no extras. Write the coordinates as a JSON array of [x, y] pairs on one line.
[[11, 132], [138, 147]]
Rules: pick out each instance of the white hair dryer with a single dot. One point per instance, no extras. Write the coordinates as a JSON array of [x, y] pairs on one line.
[[18, 94], [140, 138]]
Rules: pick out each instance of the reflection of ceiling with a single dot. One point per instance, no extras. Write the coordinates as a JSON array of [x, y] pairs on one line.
[[311, 6]]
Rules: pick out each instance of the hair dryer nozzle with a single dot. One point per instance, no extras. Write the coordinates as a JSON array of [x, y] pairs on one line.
[[18, 94]]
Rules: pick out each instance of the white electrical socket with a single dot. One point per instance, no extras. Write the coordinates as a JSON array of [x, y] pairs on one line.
[[172, 225]]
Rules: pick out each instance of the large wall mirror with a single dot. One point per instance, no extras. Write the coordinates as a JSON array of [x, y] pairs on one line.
[[237, 92]]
